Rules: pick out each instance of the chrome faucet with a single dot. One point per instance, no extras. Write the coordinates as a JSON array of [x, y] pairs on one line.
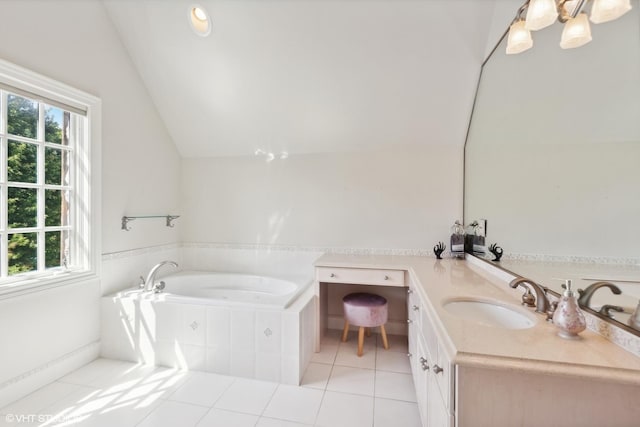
[[151, 277], [542, 303], [585, 295]]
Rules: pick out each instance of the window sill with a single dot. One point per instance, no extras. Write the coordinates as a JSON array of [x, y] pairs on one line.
[[42, 283]]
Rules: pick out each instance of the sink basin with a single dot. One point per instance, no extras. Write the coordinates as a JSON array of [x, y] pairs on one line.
[[490, 313]]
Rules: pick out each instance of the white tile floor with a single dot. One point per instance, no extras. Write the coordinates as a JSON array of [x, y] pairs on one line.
[[338, 389]]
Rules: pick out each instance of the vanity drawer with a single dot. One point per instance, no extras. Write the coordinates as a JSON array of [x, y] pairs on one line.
[[361, 276]]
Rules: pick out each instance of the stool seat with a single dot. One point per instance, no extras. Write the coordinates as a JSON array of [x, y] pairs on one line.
[[365, 310]]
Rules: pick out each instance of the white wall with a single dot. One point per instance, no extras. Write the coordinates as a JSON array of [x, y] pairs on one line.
[[402, 199], [75, 43]]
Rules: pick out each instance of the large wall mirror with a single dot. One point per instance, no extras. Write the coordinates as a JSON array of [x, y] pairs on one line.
[[552, 160]]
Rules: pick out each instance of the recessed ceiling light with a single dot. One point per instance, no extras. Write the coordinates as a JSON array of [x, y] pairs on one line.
[[199, 20]]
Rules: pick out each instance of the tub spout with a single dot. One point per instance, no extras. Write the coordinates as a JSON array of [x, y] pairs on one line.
[[151, 277]]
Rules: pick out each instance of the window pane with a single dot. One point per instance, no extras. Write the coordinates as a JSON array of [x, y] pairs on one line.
[[22, 116], [56, 208], [56, 125], [56, 248], [22, 254], [56, 166], [22, 207], [21, 162]]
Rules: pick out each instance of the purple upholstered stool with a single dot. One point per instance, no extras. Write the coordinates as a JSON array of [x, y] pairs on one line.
[[366, 311]]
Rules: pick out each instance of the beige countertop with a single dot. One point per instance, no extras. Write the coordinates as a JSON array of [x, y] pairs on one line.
[[537, 349]]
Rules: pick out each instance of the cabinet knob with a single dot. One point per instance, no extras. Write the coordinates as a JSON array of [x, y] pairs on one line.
[[409, 291], [332, 275], [386, 277], [416, 308], [437, 369], [409, 355], [409, 321]]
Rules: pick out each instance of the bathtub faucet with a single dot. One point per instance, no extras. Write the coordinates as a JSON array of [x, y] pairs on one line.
[[151, 277]]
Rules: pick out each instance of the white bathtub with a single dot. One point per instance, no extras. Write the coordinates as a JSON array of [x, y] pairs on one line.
[[234, 288], [244, 325]]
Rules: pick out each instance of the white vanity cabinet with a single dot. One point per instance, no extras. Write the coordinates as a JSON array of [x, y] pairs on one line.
[[430, 365], [471, 375]]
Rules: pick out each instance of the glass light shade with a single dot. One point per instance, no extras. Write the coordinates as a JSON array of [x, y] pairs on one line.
[[608, 10], [541, 14], [519, 38], [576, 32], [199, 20]]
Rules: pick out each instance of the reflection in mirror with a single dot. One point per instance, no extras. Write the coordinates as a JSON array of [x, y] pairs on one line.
[[552, 160]]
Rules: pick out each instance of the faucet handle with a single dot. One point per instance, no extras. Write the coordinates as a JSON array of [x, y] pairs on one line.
[[141, 284], [159, 287], [528, 299], [552, 309]]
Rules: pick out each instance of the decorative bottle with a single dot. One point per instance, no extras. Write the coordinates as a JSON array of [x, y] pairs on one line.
[[568, 317], [457, 240]]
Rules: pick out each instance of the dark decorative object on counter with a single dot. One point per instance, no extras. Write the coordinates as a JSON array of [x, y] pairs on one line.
[[474, 239], [496, 251], [470, 234], [457, 240], [439, 249]]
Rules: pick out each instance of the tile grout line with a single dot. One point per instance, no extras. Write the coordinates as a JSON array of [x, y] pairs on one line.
[[270, 399], [326, 385]]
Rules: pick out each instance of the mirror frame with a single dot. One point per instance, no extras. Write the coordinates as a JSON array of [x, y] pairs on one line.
[[589, 310]]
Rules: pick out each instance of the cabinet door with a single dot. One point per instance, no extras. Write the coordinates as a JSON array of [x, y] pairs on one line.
[[437, 413], [444, 374]]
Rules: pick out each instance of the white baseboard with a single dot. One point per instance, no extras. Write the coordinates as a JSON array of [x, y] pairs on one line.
[[28, 382], [393, 327]]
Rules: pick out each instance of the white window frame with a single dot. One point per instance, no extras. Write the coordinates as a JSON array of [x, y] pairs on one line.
[[85, 181]]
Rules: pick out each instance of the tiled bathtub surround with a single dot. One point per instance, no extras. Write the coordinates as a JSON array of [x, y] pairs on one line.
[[246, 341], [251, 342]]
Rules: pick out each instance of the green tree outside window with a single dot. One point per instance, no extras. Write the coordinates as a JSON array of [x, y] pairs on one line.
[[22, 120]]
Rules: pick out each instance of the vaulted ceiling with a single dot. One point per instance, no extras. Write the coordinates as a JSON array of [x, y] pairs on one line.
[[308, 76]]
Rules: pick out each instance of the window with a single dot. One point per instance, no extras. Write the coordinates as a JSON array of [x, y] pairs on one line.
[[47, 214]]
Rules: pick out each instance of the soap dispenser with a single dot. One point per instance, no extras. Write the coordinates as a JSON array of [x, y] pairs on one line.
[[568, 317]]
